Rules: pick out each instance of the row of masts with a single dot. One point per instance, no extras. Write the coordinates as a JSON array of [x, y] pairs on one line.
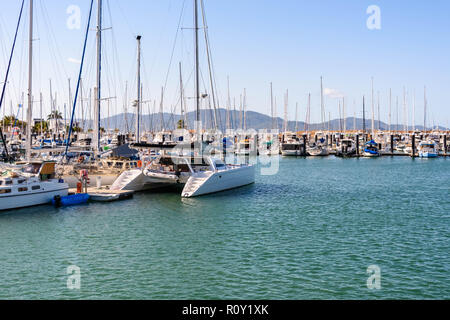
[[242, 121]]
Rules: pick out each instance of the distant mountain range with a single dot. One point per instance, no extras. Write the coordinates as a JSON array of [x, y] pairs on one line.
[[254, 120]]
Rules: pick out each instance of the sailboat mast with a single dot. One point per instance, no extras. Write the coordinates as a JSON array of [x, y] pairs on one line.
[[228, 103], [425, 108], [373, 113], [286, 97], [181, 98], [30, 84], [414, 111], [197, 76], [271, 106], [138, 102], [390, 108], [364, 114], [98, 88], [322, 107]]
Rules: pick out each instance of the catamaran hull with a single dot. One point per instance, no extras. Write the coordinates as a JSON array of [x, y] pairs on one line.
[[138, 180], [223, 180], [31, 199]]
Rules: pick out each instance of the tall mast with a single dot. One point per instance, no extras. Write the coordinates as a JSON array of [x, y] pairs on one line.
[[228, 103], [82, 105], [181, 98], [425, 108], [138, 102], [390, 108], [271, 106], [373, 113], [364, 114], [30, 84], [404, 110], [322, 108], [125, 114], [414, 111], [379, 118], [244, 105], [296, 114], [286, 97], [397, 114], [40, 111], [97, 90], [343, 114], [197, 76]]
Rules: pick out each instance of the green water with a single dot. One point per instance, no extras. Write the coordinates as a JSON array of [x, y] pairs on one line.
[[308, 232]]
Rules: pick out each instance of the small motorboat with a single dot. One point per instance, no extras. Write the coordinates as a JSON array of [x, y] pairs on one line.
[[70, 200], [428, 149]]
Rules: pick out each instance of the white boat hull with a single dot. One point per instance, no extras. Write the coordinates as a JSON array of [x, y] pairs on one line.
[[428, 155], [370, 155], [318, 152], [217, 181], [29, 199]]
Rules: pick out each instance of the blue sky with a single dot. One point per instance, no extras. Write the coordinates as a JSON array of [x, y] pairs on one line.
[[290, 43]]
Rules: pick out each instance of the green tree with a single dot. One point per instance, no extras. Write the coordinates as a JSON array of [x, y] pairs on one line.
[[11, 120], [55, 115], [40, 125], [180, 124]]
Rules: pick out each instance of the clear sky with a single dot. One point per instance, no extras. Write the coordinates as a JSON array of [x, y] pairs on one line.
[[291, 43]]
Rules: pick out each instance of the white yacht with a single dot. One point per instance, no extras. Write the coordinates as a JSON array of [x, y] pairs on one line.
[[428, 149], [291, 145], [317, 150], [219, 177], [29, 185]]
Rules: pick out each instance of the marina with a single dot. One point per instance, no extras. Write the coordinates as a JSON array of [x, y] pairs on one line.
[[159, 184]]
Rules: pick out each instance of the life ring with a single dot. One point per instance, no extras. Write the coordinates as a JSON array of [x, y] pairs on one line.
[[80, 159], [139, 163]]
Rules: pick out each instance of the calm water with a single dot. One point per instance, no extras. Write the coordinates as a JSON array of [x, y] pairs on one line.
[[309, 232]]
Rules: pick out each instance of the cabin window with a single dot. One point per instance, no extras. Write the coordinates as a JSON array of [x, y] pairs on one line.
[[23, 189], [35, 187], [20, 181], [3, 191], [8, 182]]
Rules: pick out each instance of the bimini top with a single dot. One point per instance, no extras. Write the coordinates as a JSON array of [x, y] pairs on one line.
[[371, 142]]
